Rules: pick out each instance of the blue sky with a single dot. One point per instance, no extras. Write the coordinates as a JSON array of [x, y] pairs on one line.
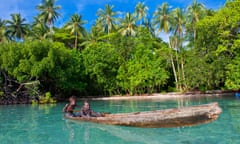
[[88, 8]]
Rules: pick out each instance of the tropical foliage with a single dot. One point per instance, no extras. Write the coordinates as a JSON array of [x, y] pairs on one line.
[[123, 54], [107, 18], [48, 12], [16, 29], [75, 25]]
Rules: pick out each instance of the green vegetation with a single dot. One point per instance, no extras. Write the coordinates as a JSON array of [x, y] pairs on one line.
[[47, 98], [123, 55], [213, 60]]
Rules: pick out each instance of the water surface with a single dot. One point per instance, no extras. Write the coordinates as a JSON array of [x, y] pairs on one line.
[[41, 124]]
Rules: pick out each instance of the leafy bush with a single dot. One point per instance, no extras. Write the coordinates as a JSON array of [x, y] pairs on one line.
[[55, 66]]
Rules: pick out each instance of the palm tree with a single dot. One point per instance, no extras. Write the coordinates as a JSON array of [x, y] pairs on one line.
[[141, 11], [2, 30], [108, 18], [98, 27], [16, 28], [128, 25], [161, 18], [39, 29], [38, 22], [196, 11], [75, 25], [39, 33], [48, 12], [162, 21], [149, 25], [91, 38], [178, 23]]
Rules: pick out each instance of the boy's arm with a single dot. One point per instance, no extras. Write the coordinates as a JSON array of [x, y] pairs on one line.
[[65, 108], [95, 114]]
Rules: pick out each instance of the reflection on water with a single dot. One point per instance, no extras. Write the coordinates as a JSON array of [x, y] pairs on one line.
[[41, 124], [81, 132], [20, 123]]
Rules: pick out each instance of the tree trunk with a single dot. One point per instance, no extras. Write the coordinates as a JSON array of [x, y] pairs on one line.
[[76, 38], [195, 35], [183, 74], [178, 65], [173, 65]]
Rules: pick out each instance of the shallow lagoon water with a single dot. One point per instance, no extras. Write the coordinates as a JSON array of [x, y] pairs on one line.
[[41, 124]]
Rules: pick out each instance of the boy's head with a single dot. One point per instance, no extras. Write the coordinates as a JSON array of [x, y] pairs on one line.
[[86, 105], [72, 100]]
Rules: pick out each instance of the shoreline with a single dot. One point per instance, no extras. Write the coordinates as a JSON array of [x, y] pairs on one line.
[[164, 96], [154, 96]]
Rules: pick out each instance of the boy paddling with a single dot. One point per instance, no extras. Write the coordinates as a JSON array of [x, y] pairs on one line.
[[69, 108], [85, 111]]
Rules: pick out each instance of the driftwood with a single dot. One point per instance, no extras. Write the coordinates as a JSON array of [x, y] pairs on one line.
[[14, 92], [175, 117]]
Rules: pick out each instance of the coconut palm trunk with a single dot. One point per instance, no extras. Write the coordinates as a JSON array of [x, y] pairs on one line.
[[76, 41], [162, 19], [183, 74], [172, 63]]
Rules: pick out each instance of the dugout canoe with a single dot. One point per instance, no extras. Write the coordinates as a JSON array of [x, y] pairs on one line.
[[175, 117]]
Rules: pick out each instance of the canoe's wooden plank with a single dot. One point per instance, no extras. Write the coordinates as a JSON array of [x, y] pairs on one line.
[[176, 117]]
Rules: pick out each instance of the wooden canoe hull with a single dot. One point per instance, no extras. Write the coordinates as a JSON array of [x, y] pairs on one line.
[[175, 117]]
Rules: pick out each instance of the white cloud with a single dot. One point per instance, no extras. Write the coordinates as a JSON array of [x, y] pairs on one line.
[[80, 7]]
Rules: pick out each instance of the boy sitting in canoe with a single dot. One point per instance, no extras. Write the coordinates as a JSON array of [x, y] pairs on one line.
[[69, 108], [86, 111]]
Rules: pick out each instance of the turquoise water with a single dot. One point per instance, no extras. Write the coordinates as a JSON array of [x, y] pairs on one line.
[[41, 124]]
